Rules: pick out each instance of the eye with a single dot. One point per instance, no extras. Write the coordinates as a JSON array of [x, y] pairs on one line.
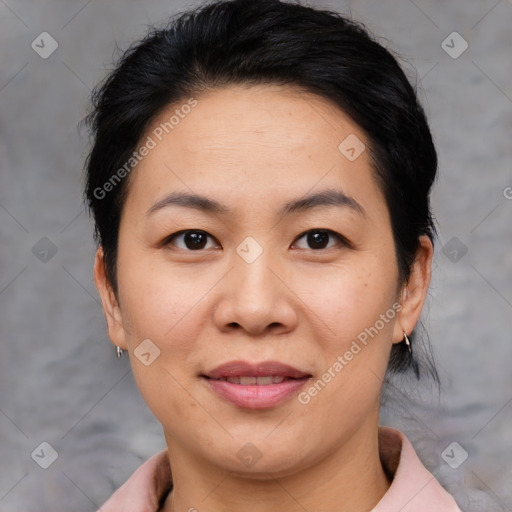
[[197, 239], [191, 239], [319, 239]]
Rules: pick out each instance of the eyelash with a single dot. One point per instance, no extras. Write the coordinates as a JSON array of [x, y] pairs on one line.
[[342, 240]]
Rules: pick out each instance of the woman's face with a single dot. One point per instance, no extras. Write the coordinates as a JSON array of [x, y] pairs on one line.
[[312, 286]]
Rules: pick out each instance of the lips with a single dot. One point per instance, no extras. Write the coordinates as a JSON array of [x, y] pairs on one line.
[[255, 386], [265, 369], [246, 380]]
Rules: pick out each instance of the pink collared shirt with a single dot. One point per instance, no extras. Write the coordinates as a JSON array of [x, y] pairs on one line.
[[413, 489]]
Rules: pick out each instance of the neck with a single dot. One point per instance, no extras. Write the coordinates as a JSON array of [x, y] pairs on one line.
[[350, 479]]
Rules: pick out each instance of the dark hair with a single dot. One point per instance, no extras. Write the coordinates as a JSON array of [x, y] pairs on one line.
[[268, 42]]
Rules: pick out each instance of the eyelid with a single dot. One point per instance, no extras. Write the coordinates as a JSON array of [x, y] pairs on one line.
[[167, 240], [344, 241]]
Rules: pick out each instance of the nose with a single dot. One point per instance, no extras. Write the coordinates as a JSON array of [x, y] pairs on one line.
[[256, 298]]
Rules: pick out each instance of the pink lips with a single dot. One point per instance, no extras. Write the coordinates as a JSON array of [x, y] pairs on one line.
[[257, 386]]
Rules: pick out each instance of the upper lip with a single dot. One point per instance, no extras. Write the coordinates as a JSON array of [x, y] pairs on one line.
[[265, 368]]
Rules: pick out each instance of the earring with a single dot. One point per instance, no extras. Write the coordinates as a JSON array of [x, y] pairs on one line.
[[407, 342], [119, 352]]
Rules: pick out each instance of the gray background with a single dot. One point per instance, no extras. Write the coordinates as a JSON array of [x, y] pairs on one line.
[[60, 380]]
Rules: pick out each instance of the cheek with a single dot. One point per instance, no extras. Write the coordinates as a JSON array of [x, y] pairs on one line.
[[164, 306], [157, 298], [165, 394], [356, 311], [347, 300]]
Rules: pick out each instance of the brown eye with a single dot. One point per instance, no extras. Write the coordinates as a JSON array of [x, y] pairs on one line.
[[319, 239], [190, 239]]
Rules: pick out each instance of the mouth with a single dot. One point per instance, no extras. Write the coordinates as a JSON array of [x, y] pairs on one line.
[[249, 380], [244, 369], [255, 386]]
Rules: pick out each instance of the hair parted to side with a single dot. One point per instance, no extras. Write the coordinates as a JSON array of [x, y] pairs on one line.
[[246, 42]]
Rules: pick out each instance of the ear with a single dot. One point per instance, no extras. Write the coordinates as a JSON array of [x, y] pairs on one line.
[[415, 292], [111, 307]]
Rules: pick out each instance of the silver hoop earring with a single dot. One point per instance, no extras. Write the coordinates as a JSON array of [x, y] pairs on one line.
[[407, 342], [119, 352]]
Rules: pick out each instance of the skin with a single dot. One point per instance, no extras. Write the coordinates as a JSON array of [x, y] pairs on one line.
[[253, 149]]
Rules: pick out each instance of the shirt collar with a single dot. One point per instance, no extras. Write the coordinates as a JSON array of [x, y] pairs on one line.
[[413, 488]]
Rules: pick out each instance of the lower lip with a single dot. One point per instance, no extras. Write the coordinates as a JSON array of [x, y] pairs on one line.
[[254, 396]]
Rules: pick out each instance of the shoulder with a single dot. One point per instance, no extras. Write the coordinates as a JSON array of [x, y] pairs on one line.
[[413, 487], [145, 489]]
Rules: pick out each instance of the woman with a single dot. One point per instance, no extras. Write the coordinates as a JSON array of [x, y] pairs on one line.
[[260, 181]]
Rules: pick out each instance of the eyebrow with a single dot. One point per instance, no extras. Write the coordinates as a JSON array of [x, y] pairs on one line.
[[329, 197]]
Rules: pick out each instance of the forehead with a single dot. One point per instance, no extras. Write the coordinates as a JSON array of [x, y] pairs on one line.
[[251, 146]]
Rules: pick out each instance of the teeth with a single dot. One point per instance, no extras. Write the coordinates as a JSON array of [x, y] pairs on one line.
[[264, 381], [244, 380], [248, 381]]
